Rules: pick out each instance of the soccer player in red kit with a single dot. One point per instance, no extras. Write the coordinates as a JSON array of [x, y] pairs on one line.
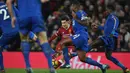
[[64, 31]]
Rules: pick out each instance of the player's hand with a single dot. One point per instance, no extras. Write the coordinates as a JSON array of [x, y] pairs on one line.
[[74, 15], [13, 21]]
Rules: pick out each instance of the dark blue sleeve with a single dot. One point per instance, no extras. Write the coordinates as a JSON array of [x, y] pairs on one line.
[[116, 22], [81, 14], [16, 11]]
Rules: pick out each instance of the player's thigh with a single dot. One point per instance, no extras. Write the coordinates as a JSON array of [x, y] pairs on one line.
[[42, 36], [81, 55], [38, 24], [24, 27], [79, 39], [23, 37], [108, 41], [97, 43], [108, 52], [67, 41], [39, 28]]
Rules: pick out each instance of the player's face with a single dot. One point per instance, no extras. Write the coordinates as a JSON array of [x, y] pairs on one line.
[[65, 24], [94, 26], [108, 10]]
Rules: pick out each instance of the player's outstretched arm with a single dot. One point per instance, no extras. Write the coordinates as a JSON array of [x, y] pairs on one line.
[[83, 21], [55, 35], [52, 38], [10, 9], [9, 5]]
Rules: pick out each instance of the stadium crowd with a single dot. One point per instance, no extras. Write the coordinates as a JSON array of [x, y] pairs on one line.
[[96, 10]]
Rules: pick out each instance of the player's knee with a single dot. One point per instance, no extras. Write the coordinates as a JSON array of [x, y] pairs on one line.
[[108, 57], [82, 59], [23, 37], [42, 37]]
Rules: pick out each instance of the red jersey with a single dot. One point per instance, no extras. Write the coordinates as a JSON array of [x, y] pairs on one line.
[[61, 32]]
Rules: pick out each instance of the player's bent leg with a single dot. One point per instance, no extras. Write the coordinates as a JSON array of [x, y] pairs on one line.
[[83, 58], [66, 55], [42, 37], [25, 45], [66, 58], [96, 43], [66, 42], [109, 56], [47, 50]]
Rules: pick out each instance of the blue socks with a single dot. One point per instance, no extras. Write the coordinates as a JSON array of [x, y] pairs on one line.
[[115, 61], [66, 56], [92, 62], [26, 50], [47, 50], [1, 61]]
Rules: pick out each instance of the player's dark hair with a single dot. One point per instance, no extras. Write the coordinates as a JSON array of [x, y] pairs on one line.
[[111, 7], [65, 17], [5, 1]]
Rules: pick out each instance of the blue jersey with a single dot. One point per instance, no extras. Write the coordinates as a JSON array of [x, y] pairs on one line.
[[80, 39], [111, 26], [5, 20], [76, 26], [29, 8]]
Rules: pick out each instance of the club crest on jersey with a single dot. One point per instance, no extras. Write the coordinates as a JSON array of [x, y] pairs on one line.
[[73, 22]]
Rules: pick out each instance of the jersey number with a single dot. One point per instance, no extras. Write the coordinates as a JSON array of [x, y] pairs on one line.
[[76, 36], [4, 11]]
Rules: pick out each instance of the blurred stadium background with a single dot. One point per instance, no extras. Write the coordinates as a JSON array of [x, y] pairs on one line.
[[95, 9]]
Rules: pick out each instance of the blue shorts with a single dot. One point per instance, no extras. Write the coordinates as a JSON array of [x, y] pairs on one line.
[[109, 42], [80, 40], [8, 39], [34, 24]]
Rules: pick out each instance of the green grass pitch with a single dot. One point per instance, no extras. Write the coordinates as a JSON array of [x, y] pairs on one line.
[[61, 71]]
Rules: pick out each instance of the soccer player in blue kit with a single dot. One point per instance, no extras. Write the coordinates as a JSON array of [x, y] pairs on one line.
[[9, 34], [30, 19], [108, 39], [80, 38]]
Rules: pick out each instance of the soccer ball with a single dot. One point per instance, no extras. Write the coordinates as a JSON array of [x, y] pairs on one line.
[[55, 63]]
